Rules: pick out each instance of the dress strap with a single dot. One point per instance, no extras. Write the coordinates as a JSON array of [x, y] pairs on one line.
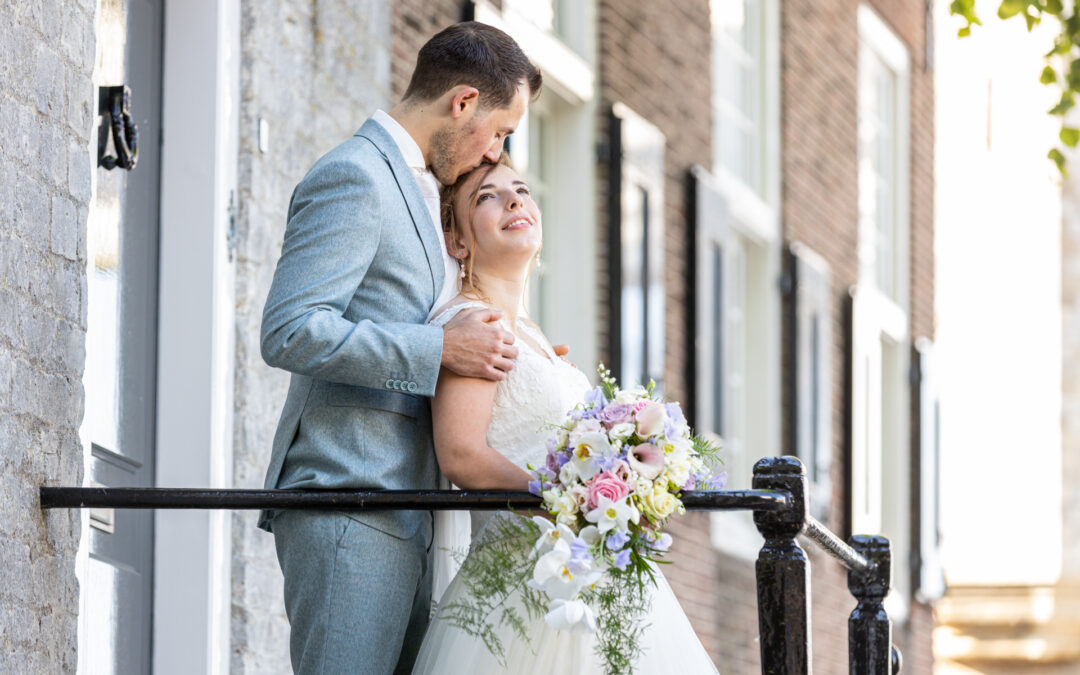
[[449, 312]]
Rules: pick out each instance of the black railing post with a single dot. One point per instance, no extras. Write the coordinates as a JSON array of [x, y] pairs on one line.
[[870, 650], [783, 571]]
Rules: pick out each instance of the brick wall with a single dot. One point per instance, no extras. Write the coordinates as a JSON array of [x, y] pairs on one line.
[[819, 68], [655, 58], [313, 94], [414, 23], [46, 117]]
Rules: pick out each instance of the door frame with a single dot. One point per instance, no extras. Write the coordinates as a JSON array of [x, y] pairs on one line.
[[200, 123]]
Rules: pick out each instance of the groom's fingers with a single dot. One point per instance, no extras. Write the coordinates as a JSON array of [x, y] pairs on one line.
[[475, 346]]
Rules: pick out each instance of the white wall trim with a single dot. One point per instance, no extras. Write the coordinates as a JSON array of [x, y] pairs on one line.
[[882, 39], [565, 71], [192, 550]]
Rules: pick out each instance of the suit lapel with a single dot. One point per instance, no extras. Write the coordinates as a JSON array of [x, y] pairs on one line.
[[414, 201]]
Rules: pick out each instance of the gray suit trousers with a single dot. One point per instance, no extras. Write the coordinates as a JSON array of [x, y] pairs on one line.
[[340, 574]]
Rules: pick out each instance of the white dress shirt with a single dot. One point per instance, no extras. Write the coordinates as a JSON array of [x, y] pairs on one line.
[[429, 188]]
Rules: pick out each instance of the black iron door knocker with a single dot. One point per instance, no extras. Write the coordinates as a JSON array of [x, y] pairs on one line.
[[114, 103]]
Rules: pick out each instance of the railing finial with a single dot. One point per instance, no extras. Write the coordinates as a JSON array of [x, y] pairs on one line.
[[870, 650], [783, 571]]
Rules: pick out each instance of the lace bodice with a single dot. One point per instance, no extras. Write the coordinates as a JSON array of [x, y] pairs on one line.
[[538, 392]]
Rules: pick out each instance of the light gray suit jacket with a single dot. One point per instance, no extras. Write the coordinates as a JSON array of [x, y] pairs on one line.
[[360, 268]]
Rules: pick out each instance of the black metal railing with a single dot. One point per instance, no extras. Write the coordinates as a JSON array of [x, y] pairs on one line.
[[778, 500]]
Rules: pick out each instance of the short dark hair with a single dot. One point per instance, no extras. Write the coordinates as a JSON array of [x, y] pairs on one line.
[[477, 55]]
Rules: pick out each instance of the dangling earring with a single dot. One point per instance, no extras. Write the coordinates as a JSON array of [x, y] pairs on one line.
[[461, 271]]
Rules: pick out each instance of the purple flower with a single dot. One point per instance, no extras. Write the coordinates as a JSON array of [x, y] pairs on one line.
[[662, 543], [622, 559], [594, 398], [580, 558], [605, 462], [718, 481], [675, 413], [616, 540], [617, 413], [534, 487]]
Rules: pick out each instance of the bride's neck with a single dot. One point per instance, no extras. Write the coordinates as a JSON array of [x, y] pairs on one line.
[[503, 293]]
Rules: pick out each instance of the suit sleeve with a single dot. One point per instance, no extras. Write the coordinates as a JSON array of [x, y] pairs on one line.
[[330, 240]]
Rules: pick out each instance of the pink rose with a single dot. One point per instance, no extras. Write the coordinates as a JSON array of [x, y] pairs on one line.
[[607, 485]]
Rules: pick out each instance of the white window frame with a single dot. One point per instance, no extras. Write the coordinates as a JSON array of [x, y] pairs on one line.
[[877, 40], [561, 303], [744, 222], [811, 293], [642, 166], [881, 353], [931, 569], [769, 130]]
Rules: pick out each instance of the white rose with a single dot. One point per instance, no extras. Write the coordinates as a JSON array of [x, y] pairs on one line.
[[622, 431], [642, 486], [568, 473], [678, 473]]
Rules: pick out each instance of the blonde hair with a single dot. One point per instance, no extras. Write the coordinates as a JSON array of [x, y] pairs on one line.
[[450, 224]]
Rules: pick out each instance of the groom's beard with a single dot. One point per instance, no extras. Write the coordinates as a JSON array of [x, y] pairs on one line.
[[445, 145]]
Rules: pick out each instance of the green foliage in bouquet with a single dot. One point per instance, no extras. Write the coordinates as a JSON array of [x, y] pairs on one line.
[[498, 568]]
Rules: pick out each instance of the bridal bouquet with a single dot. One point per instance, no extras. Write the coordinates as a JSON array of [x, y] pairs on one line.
[[615, 470]]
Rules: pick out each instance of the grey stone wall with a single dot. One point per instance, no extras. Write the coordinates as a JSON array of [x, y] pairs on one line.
[[313, 71], [46, 56]]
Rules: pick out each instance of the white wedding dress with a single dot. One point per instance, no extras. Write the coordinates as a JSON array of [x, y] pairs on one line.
[[540, 390]]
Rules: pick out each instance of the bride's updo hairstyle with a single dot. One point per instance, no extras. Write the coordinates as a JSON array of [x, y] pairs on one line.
[[457, 230]]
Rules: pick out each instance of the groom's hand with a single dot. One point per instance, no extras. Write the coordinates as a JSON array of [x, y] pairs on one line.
[[474, 345]]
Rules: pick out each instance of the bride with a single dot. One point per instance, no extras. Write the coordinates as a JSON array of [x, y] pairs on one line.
[[487, 432]]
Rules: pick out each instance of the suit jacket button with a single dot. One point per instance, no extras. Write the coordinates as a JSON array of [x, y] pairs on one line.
[[389, 384], [397, 385], [412, 386]]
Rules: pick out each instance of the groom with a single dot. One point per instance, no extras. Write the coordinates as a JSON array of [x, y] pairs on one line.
[[362, 265]]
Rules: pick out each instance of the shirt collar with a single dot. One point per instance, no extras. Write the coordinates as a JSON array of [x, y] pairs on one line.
[[410, 151]]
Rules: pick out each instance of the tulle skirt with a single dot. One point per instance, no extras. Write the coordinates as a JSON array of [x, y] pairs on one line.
[[669, 645]]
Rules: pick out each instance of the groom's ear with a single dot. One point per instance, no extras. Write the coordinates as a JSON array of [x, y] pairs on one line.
[[463, 97]]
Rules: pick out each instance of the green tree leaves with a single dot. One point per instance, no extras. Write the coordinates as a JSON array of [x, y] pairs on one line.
[[1063, 60]]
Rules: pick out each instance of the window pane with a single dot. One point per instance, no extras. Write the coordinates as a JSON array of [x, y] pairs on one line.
[[877, 169], [738, 86]]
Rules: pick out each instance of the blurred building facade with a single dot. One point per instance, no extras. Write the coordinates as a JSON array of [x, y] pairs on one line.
[[1010, 537], [738, 201]]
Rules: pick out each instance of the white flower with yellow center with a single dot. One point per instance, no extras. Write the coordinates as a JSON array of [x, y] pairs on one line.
[[610, 515], [588, 448], [550, 534], [552, 574]]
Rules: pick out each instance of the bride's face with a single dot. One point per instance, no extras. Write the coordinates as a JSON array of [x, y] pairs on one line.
[[505, 229]]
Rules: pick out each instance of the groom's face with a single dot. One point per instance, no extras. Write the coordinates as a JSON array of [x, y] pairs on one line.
[[460, 148]]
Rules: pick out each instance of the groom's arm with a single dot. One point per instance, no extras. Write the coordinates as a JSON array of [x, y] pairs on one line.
[[330, 240]]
